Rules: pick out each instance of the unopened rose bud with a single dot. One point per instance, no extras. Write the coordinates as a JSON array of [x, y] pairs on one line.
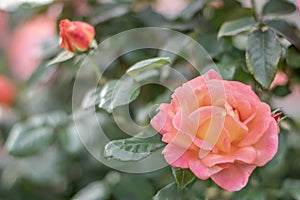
[[277, 116], [76, 35]]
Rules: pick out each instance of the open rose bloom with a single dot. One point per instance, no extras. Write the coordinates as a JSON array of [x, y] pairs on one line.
[[218, 129]]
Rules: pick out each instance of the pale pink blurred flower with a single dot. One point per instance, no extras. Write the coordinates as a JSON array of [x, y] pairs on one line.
[[169, 8], [26, 44], [298, 3], [279, 80], [81, 7]]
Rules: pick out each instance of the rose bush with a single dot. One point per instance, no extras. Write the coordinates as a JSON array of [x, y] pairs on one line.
[[76, 35], [218, 129]]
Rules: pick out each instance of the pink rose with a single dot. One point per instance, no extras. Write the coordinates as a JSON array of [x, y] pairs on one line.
[[218, 129]]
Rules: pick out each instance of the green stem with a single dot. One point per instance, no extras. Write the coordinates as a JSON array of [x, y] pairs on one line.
[[254, 6]]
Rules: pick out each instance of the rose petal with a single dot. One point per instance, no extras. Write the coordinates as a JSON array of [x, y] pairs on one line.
[[212, 74], [162, 122], [235, 128], [234, 177], [185, 99], [258, 125], [246, 155], [178, 157], [190, 125], [202, 80], [267, 146], [179, 140], [201, 171]]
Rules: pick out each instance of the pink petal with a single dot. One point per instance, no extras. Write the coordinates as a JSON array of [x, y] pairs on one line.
[[162, 122], [233, 178], [235, 128], [258, 125], [212, 74], [267, 146], [201, 171], [246, 155], [180, 140], [178, 157], [190, 125], [241, 90], [202, 80], [185, 98]]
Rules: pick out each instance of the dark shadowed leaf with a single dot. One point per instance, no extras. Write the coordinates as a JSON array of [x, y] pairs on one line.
[[262, 55], [293, 57], [98, 190], [171, 192], [26, 139], [183, 177], [288, 31], [249, 193], [278, 7], [35, 134], [192, 9], [134, 148], [292, 187], [237, 26]]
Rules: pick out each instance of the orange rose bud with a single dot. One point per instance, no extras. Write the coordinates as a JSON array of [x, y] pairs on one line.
[[75, 35], [7, 91]]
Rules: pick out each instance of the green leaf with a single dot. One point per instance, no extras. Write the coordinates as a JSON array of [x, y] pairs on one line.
[[118, 92], [61, 57], [35, 134], [262, 56], [237, 26], [91, 98], [41, 74], [171, 192], [183, 177], [292, 187], [26, 139], [132, 149], [249, 193], [293, 57], [127, 186], [70, 140], [192, 9], [278, 7], [97, 190], [288, 31], [147, 65]]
